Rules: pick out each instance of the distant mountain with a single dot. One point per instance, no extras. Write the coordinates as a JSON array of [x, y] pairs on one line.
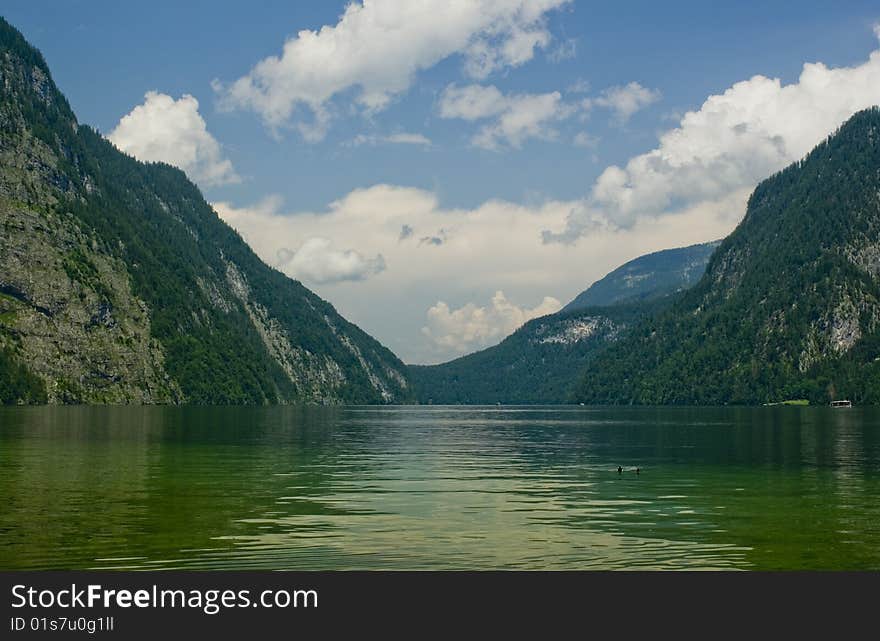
[[541, 362], [120, 284], [647, 277], [789, 306]]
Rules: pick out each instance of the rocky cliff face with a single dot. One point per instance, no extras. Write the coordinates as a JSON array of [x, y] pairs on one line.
[[66, 307], [68, 311], [119, 284]]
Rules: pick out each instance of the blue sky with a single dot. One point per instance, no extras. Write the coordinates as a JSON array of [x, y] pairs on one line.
[[444, 151]]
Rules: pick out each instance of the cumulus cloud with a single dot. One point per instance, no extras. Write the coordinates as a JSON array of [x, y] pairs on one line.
[[318, 262], [515, 118], [718, 153], [472, 102], [377, 47], [494, 245], [624, 100], [471, 327], [163, 129], [692, 188]]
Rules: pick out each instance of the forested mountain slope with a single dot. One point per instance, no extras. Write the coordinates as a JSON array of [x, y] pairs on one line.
[[540, 362], [120, 284], [648, 277], [789, 306]]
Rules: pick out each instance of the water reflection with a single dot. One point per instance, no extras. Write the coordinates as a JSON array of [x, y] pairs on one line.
[[433, 487]]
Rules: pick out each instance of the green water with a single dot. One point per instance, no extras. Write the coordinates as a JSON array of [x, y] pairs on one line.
[[439, 488]]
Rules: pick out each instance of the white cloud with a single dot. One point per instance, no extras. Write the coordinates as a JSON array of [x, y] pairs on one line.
[[472, 102], [166, 130], [528, 116], [495, 245], [471, 327], [718, 153], [393, 139], [377, 47], [516, 117], [624, 100], [692, 188], [318, 262]]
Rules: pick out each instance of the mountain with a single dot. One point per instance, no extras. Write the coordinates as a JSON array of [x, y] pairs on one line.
[[648, 277], [539, 363], [789, 306], [543, 360], [120, 284]]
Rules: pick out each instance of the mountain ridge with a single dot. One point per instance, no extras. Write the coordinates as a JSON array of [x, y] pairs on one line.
[[647, 277], [789, 306]]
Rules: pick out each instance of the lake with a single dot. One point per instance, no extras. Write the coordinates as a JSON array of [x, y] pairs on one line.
[[428, 487]]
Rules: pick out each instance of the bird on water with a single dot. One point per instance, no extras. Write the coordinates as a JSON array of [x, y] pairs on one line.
[[620, 470]]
